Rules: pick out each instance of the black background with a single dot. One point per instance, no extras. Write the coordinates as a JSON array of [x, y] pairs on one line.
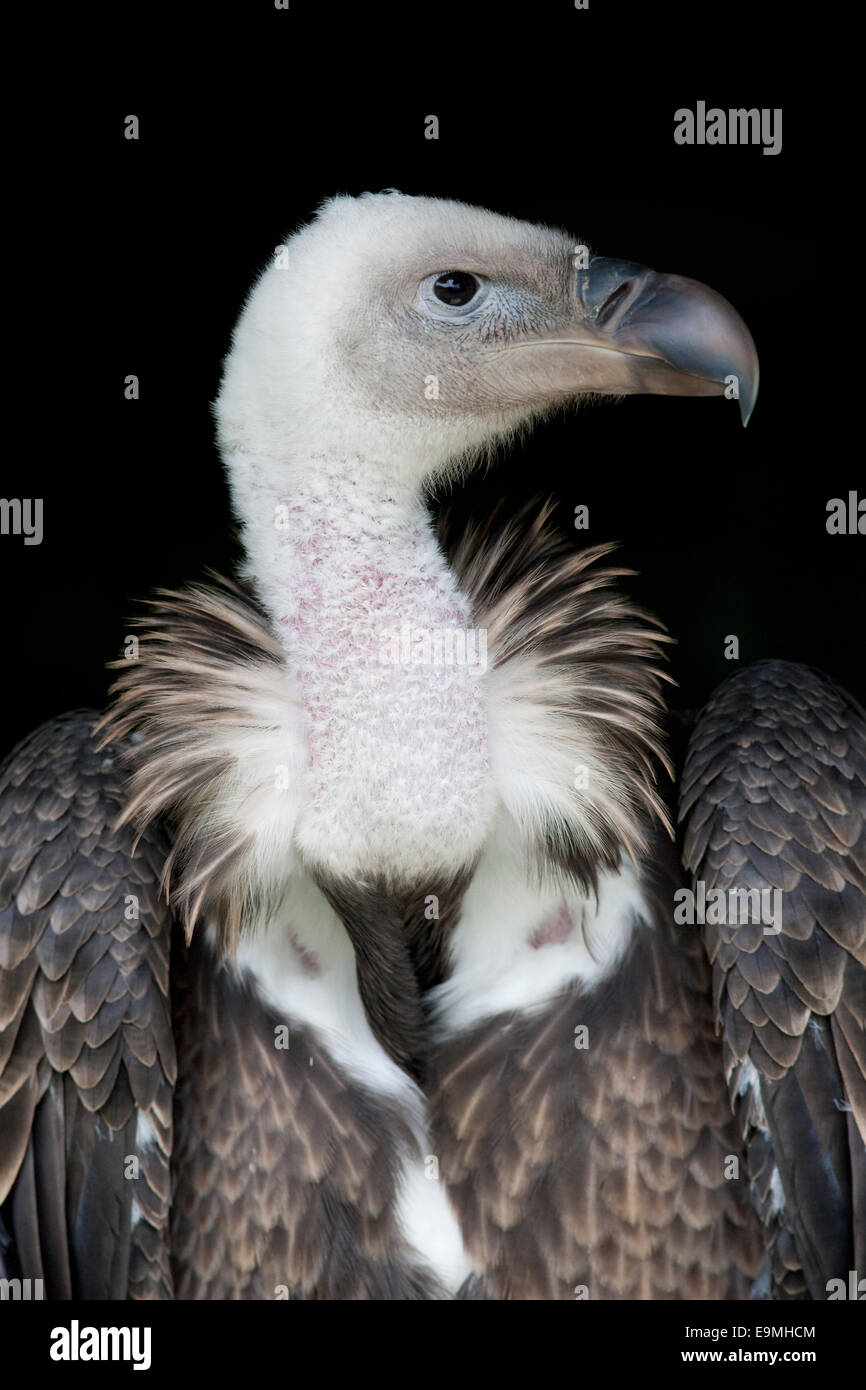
[[141, 253], [216, 1339]]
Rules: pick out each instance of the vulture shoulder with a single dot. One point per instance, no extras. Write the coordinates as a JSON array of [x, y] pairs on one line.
[[87, 1060], [774, 798]]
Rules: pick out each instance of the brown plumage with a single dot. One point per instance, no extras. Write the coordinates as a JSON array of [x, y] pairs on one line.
[[600, 1171], [400, 954], [86, 1034], [286, 1172], [774, 797]]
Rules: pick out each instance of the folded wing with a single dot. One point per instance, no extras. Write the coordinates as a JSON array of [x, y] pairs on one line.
[[87, 1059], [774, 799]]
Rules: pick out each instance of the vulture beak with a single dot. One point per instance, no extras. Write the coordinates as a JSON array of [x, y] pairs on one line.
[[643, 333]]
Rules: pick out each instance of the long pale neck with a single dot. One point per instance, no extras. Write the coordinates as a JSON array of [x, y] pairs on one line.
[[375, 631], [344, 543]]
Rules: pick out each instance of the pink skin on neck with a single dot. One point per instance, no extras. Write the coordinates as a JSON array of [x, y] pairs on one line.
[[354, 576]]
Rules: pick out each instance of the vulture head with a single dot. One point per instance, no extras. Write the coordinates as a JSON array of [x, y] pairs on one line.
[[406, 335]]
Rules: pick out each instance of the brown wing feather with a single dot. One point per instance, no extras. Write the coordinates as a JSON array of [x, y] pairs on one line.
[[287, 1172], [606, 1167], [85, 1032], [774, 796]]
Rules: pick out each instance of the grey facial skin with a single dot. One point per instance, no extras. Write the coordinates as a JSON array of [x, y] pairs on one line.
[[636, 331]]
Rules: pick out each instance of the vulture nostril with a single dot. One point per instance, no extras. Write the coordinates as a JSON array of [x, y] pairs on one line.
[[612, 302]]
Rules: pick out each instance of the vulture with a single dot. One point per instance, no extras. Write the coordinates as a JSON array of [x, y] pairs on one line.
[[348, 954]]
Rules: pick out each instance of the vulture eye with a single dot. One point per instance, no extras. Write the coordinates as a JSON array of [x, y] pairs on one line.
[[455, 287]]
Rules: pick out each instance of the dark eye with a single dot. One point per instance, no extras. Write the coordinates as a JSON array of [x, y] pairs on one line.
[[455, 287]]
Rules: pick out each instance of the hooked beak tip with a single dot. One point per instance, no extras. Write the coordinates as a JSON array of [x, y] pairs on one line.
[[682, 337], [747, 402]]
